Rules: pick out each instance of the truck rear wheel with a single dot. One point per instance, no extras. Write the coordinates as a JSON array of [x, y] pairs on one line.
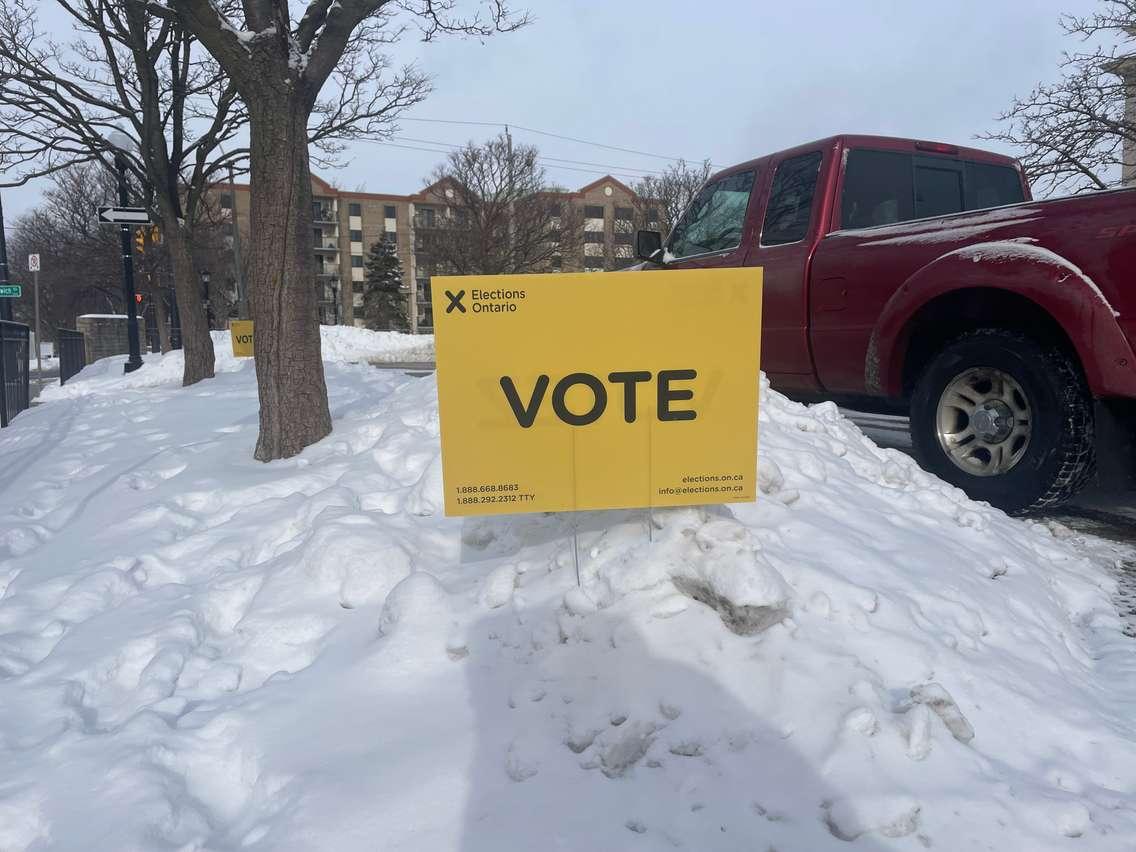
[[1006, 419]]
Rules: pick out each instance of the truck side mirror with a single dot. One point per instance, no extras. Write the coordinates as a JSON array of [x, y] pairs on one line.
[[649, 246]]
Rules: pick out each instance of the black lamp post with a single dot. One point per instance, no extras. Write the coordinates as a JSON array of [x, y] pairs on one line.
[[5, 304], [206, 277], [123, 143]]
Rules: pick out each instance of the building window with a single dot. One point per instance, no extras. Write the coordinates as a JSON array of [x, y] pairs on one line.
[[424, 218], [227, 229], [389, 211], [357, 261], [357, 286], [318, 235], [425, 316], [354, 209], [555, 208], [593, 237], [390, 238], [356, 236], [652, 215], [226, 201], [593, 211], [557, 264], [624, 213]]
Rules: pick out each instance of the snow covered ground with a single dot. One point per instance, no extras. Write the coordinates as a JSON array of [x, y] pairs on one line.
[[340, 344], [199, 651]]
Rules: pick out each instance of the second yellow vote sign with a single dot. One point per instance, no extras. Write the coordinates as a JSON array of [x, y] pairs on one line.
[[573, 391], [241, 333]]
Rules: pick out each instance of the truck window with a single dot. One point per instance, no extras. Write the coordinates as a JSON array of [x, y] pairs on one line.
[[877, 189], [715, 218], [791, 200], [886, 187], [988, 185], [938, 189]]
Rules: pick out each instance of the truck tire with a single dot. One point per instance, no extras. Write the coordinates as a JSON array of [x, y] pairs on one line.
[[1005, 418]]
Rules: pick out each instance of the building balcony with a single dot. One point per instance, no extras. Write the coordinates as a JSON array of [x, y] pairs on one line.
[[325, 216], [332, 248]]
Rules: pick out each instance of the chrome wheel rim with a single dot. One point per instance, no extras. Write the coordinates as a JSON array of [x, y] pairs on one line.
[[984, 421]]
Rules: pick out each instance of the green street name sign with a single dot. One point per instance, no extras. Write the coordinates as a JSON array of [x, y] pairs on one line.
[[10, 291]]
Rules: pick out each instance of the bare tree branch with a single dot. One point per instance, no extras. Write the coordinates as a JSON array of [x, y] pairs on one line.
[[494, 215], [670, 192], [1072, 134]]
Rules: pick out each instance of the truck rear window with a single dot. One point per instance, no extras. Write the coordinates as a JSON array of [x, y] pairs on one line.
[[885, 187], [988, 185], [878, 189]]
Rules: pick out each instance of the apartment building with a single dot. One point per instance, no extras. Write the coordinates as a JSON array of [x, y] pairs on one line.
[[346, 224]]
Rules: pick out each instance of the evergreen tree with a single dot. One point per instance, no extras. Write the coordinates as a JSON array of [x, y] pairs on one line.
[[384, 304]]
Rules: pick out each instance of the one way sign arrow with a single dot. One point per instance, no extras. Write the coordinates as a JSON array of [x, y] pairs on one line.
[[124, 216]]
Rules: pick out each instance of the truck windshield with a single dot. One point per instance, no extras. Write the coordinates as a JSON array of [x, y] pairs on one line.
[[714, 219]]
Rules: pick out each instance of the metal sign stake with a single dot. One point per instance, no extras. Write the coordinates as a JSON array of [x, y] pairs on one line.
[[576, 548]]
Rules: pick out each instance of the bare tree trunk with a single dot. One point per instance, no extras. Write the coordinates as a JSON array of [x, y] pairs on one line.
[[285, 306], [196, 343]]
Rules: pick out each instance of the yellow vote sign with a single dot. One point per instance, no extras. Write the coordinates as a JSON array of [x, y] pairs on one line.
[[566, 392], [241, 332]]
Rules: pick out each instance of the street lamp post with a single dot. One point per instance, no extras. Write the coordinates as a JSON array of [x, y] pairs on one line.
[[123, 143], [5, 304], [206, 277]]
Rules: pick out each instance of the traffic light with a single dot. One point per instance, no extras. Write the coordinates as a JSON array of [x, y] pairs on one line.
[[146, 235]]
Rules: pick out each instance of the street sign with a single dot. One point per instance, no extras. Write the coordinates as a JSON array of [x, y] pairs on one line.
[[597, 390], [124, 216], [10, 291], [33, 263], [241, 333]]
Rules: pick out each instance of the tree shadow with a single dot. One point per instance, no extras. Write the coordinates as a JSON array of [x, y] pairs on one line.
[[589, 738]]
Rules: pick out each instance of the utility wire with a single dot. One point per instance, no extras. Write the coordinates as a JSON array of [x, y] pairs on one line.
[[551, 166], [624, 169], [553, 135]]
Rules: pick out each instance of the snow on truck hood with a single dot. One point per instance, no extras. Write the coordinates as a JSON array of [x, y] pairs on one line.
[[201, 651]]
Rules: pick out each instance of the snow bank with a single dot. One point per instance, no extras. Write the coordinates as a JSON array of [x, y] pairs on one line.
[[340, 344], [201, 651], [346, 343]]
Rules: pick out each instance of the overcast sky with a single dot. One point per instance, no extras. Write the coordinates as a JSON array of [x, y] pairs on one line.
[[724, 79]]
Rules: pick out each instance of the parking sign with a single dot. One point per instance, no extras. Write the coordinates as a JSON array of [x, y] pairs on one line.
[[33, 263]]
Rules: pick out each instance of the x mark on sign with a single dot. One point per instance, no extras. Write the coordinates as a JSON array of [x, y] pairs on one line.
[[455, 301]]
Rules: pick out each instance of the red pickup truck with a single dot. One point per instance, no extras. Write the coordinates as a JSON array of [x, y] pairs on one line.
[[918, 276]]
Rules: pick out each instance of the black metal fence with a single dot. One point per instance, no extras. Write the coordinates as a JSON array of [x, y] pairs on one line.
[[14, 346], [72, 352]]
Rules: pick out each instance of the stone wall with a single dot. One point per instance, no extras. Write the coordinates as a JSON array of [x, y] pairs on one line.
[[105, 335]]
